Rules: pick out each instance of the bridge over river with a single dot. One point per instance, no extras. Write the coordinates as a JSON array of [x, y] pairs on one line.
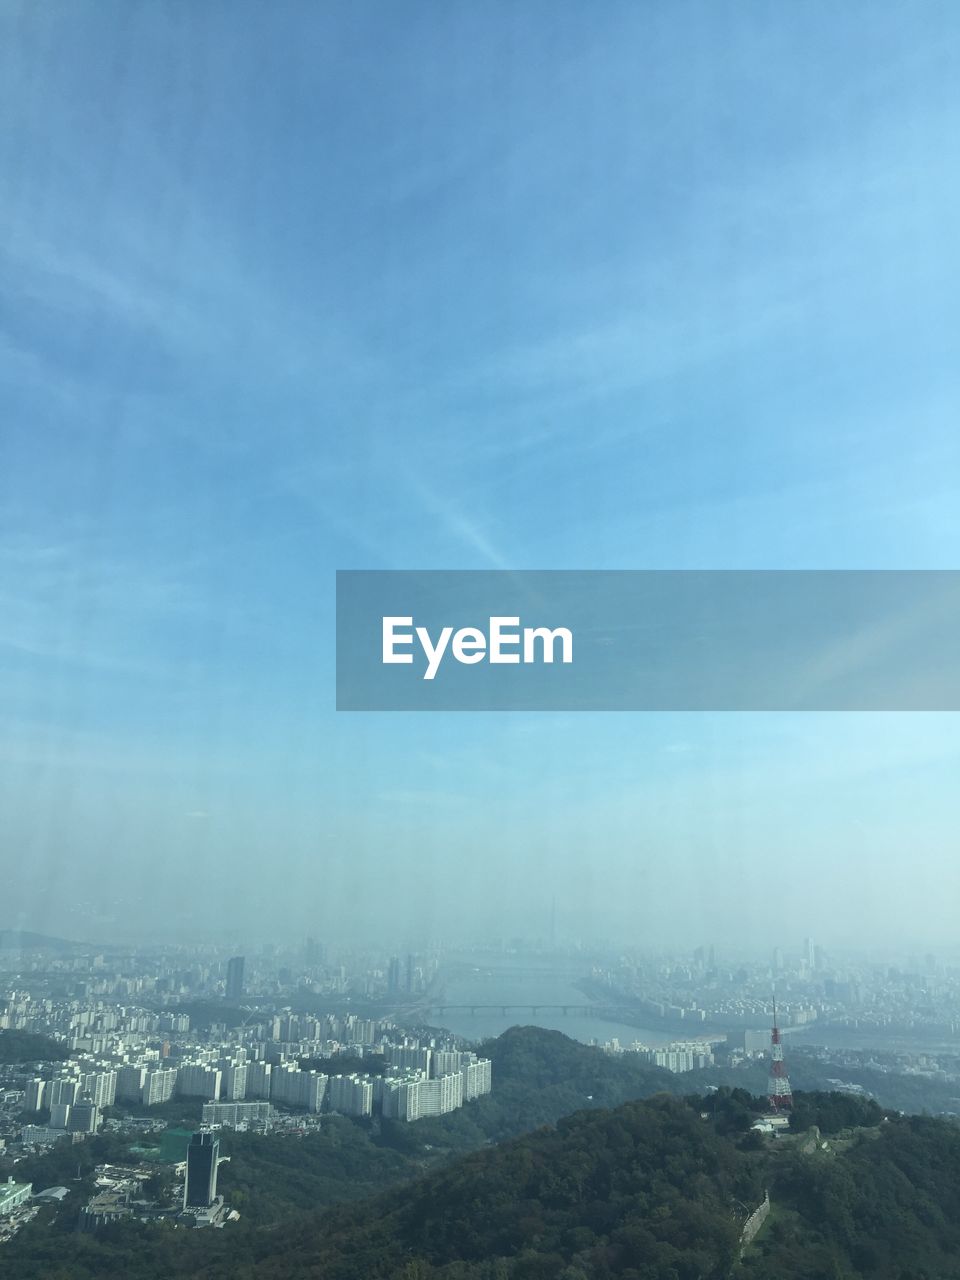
[[611, 1013]]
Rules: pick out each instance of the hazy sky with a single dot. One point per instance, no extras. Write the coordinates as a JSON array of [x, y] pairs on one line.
[[296, 287]]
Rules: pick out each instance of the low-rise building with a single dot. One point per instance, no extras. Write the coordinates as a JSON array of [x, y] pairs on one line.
[[233, 1115], [13, 1194]]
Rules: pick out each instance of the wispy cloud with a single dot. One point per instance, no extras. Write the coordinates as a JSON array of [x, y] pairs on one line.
[[454, 523]]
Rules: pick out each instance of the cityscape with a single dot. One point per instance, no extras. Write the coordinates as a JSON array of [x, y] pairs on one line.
[[479, 681], [165, 1049]]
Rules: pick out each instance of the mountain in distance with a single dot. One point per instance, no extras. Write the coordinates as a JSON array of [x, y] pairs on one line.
[[24, 940]]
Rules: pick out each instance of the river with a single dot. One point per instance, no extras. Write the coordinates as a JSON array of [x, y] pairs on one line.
[[495, 983], [530, 981]]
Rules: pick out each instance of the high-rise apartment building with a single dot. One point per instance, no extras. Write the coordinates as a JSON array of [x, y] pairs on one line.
[[441, 1095], [101, 1086], [258, 1079], [63, 1090], [234, 1082], [158, 1086], [130, 1080], [298, 1088], [197, 1080], [351, 1095], [33, 1099]]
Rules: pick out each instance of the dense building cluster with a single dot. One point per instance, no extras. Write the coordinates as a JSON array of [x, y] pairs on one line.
[[141, 1059], [916, 995], [679, 1056]]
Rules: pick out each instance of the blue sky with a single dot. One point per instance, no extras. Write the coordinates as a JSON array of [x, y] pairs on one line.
[[300, 287]]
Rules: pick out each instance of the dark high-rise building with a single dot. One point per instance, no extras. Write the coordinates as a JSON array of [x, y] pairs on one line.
[[235, 978], [84, 1116], [200, 1186], [393, 974], [410, 971]]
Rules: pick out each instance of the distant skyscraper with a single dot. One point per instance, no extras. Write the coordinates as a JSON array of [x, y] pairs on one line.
[[410, 968], [393, 975], [235, 978], [200, 1186], [810, 952]]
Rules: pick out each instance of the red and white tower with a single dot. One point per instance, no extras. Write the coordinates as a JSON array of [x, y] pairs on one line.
[[779, 1095]]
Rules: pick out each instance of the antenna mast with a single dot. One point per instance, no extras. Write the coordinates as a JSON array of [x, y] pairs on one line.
[[779, 1095]]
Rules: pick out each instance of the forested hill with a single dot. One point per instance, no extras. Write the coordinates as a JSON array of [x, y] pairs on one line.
[[654, 1190], [542, 1075], [651, 1191], [25, 1046], [650, 1182]]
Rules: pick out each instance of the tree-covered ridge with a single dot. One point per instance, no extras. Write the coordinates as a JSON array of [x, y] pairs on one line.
[[650, 1179], [887, 1209], [25, 1046], [649, 1184], [833, 1112], [654, 1190]]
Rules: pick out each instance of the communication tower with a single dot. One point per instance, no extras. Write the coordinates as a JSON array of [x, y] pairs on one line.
[[779, 1095]]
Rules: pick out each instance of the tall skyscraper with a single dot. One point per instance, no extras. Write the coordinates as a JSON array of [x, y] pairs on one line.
[[235, 978], [393, 974], [200, 1185]]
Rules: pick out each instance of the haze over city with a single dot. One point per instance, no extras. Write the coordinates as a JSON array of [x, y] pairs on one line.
[[479, 691]]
